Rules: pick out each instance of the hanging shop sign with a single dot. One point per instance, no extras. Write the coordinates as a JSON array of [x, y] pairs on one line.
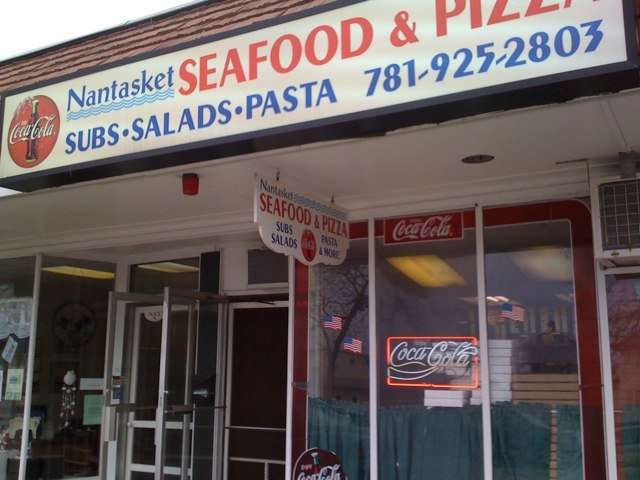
[[433, 362], [423, 228], [350, 60], [317, 464], [292, 223]]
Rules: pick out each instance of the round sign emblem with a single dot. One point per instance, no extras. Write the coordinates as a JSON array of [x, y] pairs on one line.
[[308, 245], [316, 464], [33, 131]]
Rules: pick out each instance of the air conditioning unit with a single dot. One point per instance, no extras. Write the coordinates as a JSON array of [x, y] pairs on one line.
[[616, 214]]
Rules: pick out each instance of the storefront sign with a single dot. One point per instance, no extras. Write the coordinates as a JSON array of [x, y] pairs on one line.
[[446, 226], [433, 362], [316, 464], [362, 58], [291, 223]]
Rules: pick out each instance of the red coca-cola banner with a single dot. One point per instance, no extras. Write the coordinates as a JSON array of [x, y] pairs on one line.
[[423, 228]]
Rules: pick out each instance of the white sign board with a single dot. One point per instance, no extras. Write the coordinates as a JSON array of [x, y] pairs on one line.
[[291, 223], [359, 59]]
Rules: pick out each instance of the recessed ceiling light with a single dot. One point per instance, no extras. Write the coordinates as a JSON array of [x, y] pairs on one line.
[[479, 158], [169, 267], [80, 272]]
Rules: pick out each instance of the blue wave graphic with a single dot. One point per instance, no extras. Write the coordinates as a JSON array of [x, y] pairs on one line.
[[115, 106]]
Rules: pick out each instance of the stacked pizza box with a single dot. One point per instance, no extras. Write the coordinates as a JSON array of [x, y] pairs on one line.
[[500, 372], [446, 398]]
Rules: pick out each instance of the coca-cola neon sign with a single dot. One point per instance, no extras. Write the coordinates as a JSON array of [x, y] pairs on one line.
[[433, 362], [423, 228]]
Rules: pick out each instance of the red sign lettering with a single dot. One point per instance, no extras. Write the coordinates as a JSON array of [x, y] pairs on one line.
[[446, 226]]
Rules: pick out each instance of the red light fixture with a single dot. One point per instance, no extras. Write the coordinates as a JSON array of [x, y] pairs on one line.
[[190, 183]]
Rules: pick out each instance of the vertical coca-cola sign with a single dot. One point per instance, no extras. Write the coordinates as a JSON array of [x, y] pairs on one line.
[[423, 228], [33, 131]]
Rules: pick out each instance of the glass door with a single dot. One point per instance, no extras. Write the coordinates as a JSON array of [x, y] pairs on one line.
[[149, 407]]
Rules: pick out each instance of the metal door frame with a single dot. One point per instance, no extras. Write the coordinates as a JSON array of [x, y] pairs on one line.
[[228, 355], [111, 411], [607, 368], [132, 423]]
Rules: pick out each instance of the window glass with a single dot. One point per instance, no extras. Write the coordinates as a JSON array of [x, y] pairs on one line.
[[623, 305], [430, 419], [16, 303], [66, 410], [338, 389], [533, 354]]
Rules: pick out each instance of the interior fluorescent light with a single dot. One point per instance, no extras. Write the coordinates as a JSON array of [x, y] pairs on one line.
[[545, 263], [427, 270], [80, 272], [169, 267]]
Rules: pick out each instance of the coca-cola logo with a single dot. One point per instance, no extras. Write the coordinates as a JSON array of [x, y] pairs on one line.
[[423, 228], [433, 362], [317, 464], [33, 131], [308, 245]]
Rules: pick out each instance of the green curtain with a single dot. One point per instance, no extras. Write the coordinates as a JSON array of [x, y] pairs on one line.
[[342, 428], [569, 442], [417, 443], [521, 441], [631, 441]]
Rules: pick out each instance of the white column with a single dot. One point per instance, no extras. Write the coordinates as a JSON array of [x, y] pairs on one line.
[[484, 347], [290, 350], [607, 375], [26, 420], [373, 357]]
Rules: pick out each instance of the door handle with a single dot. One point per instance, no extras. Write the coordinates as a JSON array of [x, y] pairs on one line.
[[201, 392], [111, 415]]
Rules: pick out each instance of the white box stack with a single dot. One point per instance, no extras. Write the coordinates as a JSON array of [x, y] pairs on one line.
[[500, 370], [446, 398]]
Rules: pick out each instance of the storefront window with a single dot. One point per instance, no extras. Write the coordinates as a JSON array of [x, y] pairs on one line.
[[623, 299], [338, 389], [429, 392], [66, 407], [533, 355], [16, 303], [429, 417]]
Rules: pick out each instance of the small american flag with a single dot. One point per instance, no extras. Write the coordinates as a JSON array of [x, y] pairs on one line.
[[512, 312], [351, 344], [334, 322]]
